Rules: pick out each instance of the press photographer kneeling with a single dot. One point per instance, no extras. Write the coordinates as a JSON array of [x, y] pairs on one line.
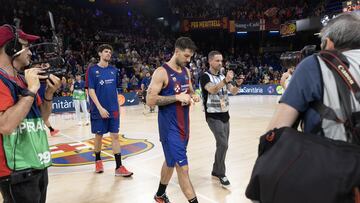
[[24, 148]]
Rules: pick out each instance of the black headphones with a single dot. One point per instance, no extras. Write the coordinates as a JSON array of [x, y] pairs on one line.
[[13, 46]]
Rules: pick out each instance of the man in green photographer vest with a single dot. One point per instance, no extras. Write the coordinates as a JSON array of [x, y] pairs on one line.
[[24, 148]]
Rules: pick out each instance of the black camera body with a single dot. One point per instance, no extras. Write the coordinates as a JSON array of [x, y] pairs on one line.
[[57, 67], [50, 54], [236, 68], [290, 59]]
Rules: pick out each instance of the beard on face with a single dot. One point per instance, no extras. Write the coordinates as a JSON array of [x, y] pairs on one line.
[[216, 66], [106, 59], [179, 63], [23, 62]]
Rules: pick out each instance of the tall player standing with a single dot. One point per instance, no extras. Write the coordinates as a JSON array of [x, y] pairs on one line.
[[102, 81]]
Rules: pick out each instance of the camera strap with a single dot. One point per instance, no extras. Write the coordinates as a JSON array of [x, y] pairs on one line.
[[345, 82], [337, 62], [14, 79]]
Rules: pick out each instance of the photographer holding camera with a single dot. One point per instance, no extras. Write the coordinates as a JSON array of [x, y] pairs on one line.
[[324, 93], [215, 87], [311, 83], [24, 148]]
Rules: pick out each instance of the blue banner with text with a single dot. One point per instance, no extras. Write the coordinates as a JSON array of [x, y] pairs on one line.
[[66, 104], [261, 90]]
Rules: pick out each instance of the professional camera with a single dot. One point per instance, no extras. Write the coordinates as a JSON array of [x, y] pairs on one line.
[[308, 50], [49, 53], [237, 68], [292, 58]]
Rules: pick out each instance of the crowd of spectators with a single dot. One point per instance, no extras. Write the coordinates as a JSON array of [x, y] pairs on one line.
[[252, 68], [140, 45], [278, 10]]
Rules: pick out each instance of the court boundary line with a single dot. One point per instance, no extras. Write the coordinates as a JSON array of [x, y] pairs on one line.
[[152, 174]]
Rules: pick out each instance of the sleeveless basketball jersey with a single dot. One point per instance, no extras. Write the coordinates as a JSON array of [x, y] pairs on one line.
[[173, 119]]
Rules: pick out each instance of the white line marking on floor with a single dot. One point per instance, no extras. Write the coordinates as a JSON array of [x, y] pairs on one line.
[[144, 171]]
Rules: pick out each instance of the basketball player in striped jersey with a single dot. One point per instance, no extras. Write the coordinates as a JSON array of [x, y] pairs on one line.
[[171, 90]]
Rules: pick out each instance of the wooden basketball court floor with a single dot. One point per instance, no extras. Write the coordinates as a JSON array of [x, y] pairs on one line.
[[249, 117]]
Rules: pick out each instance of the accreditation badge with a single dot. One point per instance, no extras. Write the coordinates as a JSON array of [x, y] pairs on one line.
[[222, 104]]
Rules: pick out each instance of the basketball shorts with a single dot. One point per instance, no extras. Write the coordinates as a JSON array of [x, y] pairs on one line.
[[102, 126], [175, 152]]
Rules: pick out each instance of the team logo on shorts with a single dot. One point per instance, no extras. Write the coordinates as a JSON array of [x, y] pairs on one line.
[[101, 82], [81, 153]]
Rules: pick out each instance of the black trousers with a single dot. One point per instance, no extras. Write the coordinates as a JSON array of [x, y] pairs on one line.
[[32, 189]]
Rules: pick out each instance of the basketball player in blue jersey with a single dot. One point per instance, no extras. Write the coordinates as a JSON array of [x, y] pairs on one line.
[[171, 90], [102, 81]]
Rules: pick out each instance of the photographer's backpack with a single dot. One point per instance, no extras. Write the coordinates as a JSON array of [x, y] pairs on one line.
[[296, 167]]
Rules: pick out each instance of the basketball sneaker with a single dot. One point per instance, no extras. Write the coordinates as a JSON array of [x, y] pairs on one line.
[[162, 199], [54, 132], [122, 171], [99, 168], [224, 181]]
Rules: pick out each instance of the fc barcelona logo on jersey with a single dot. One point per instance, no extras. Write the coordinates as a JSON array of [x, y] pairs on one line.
[[177, 88], [81, 153], [174, 79]]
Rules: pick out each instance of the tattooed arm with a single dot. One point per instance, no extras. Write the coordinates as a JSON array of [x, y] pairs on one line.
[[158, 81]]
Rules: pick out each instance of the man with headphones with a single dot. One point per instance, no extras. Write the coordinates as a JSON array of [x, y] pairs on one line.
[[24, 148]]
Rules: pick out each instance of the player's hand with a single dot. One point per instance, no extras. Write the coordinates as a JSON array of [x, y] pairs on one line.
[[229, 76], [195, 98], [184, 98], [104, 113], [32, 78]]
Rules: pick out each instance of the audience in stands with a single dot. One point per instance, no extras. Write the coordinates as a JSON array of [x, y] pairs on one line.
[[141, 45]]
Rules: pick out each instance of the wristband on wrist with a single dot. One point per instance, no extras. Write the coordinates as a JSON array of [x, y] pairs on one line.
[[27, 92], [48, 100]]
